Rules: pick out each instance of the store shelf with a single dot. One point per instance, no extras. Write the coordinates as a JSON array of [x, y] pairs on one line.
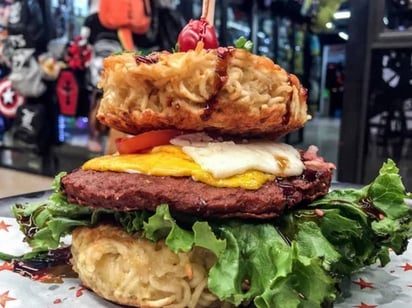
[[393, 39]]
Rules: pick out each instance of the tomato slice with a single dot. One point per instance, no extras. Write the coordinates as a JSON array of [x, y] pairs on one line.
[[145, 140]]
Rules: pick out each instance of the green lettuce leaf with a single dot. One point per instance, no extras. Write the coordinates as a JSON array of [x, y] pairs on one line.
[[307, 284], [162, 225], [250, 258], [205, 237], [44, 228], [132, 221], [361, 224], [312, 243], [258, 264], [387, 192]]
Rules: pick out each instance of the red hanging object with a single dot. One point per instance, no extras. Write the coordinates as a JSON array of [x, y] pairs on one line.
[[10, 99], [67, 91], [78, 54]]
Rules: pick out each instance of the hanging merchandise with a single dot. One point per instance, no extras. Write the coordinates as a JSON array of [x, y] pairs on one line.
[[166, 24], [132, 14], [103, 47], [4, 17], [71, 85], [26, 73], [103, 42], [78, 54], [126, 16], [50, 66], [26, 20], [10, 99], [31, 126], [92, 28], [8, 46], [67, 90]]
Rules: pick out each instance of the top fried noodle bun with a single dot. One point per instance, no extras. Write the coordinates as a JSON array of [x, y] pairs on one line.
[[225, 90]]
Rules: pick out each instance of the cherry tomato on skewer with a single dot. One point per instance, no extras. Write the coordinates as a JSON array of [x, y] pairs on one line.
[[197, 31]]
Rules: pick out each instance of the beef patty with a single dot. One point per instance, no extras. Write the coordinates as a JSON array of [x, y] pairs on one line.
[[133, 191]]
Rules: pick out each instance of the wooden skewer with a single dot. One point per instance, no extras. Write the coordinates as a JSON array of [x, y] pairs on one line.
[[208, 11]]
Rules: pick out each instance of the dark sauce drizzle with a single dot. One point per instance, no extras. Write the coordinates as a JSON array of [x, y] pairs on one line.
[[149, 59], [49, 268], [288, 112], [223, 54], [371, 210]]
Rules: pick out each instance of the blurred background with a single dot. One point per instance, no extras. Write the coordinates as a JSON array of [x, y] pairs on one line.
[[353, 56]]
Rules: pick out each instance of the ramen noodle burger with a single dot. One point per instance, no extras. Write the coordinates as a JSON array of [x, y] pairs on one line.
[[202, 205], [217, 114]]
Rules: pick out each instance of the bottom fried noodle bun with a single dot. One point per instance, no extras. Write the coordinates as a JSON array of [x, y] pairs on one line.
[[134, 271]]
